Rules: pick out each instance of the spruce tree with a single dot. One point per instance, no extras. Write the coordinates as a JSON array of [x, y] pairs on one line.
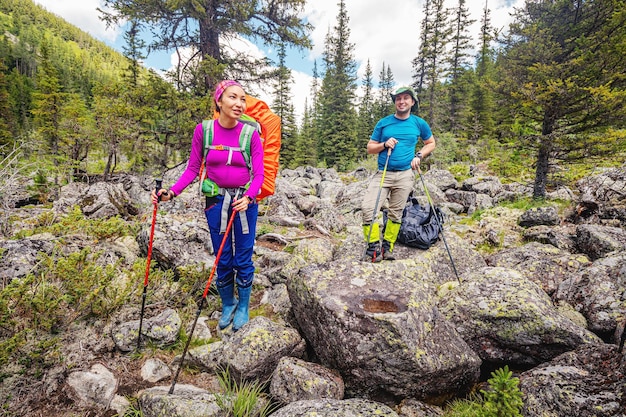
[[338, 128], [367, 119], [458, 65], [482, 105], [563, 70], [283, 107]]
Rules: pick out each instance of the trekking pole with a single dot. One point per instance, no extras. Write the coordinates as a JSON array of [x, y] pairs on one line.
[[145, 280], [204, 295], [380, 189], [622, 339], [432, 207]]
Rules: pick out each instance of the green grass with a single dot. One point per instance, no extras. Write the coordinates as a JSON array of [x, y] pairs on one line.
[[242, 398]]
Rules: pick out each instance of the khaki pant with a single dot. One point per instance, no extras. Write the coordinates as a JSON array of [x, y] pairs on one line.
[[396, 187]]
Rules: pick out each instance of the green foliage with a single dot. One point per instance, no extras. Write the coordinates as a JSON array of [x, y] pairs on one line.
[[502, 399], [76, 223], [242, 399], [461, 172]]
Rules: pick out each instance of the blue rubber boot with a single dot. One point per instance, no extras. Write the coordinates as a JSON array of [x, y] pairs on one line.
[[241, 314], [229, 304]]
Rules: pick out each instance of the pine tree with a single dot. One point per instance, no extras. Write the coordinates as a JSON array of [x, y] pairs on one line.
[[458, 64], [306, 150], [384, 106], [283, 107], [205, 26], [367, 119], [133, 52], [48, 100], [429, 65], [564, 71], [7, 119], [338, 135], [481, 117]]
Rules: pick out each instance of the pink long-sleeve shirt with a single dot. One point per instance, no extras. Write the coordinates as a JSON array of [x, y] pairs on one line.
[[225, 176]]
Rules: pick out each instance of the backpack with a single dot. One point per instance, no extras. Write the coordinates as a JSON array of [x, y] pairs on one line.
[[258, 117], [420, 225]]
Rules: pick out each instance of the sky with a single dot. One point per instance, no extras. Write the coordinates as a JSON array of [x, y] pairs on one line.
[[388, 34]]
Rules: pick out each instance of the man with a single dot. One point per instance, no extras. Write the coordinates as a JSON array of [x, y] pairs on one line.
[[394, 137]]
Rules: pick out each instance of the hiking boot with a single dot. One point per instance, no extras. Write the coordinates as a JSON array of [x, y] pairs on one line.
[[373, 253], [387, 251]]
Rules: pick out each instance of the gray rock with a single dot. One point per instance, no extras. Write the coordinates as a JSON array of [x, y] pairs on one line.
[[545, 265], [441, 178], [294, 379], [161, 329], [155, 370], [95, 387], [378, 326], [185, 401], [598, 293], [489, 185], [586, 382], [335, 408], [253, 352], [506, 318], [598, 241], [539, 216]]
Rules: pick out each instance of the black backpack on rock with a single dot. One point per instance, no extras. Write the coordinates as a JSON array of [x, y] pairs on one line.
[[420, 225]]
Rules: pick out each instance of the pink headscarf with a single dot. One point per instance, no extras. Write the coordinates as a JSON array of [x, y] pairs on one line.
[[223, 85]]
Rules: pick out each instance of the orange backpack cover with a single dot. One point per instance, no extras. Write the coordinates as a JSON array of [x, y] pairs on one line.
[[271, 138]]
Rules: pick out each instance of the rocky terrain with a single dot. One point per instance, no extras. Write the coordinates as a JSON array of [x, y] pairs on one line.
[[542, 291]]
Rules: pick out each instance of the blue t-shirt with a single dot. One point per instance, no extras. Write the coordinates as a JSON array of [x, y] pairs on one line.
[[407, 132]]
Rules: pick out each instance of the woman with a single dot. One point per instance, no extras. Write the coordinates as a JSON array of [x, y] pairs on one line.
[[238, 188]]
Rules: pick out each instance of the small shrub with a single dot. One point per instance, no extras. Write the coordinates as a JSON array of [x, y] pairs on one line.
[[502, 399]]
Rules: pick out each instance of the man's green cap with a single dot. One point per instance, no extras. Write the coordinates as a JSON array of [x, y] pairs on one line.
[[407, 90]]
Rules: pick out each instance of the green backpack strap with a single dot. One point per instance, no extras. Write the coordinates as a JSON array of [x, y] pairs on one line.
[[245, 137], [208, 129]]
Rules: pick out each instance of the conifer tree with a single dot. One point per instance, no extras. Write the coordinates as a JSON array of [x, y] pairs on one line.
[[481, 116], [458, 64], [429, 65], [338, 132], [283, 107], [564, 71], [384, 106], [205, 28], [7, 125], [367, 117], [48, 100], [133, 51], [306, 150]]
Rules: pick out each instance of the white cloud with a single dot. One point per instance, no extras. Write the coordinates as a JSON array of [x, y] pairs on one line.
[[83, 14]]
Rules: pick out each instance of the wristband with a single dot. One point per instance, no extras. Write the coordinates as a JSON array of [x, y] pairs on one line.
[[419, 155], [384, 145]]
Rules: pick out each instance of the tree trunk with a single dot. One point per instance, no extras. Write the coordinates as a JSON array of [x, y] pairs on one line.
[[543, 156], [541, 172]]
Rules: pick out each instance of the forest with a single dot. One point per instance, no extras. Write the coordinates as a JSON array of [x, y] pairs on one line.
[[542, 103]]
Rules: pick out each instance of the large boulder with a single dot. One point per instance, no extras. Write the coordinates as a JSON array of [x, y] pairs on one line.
[[598, 293], [506, 318], [589, 381], [543, 264], [377, 324]]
